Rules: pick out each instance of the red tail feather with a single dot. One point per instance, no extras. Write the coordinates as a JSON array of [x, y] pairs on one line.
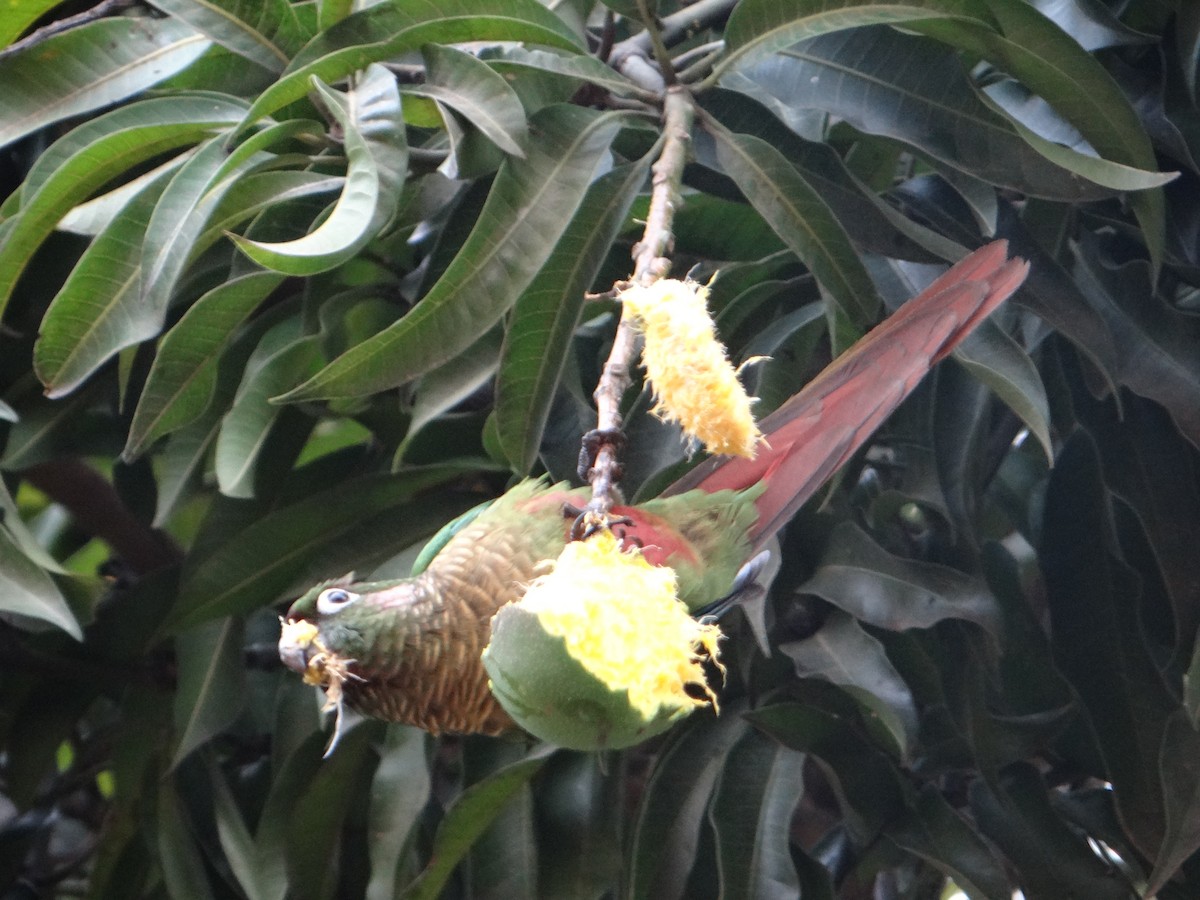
[[813, 434]]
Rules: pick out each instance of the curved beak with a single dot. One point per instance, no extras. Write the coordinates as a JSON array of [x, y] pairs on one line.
[[297, 644]]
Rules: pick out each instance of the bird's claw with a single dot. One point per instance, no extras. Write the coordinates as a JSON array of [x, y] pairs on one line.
[[595, 441], [589, 522]]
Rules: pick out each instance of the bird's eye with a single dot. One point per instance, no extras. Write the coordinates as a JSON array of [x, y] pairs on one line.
[[331, 600]]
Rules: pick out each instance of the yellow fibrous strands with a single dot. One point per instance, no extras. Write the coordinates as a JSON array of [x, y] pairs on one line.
[[325, 668], [623, 622], [694, 382]]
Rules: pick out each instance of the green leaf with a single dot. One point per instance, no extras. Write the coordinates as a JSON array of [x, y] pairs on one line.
[[803, 220], [1051, 856], [259, 881], [245, 27], [751, 813], [93, 154], [667, 830], [862, 578], [27, 591], [99, 311], [445, 387], [480, 95], [544, 318], [872, 223], [529, 207], [466, 820], [399, 791], [373, 135], [182, 864], [576, 67], [282, 360], [844, 654], [758, 28], [212, 688], [19, 15], [1053, 65], [904, 87], [184, 374], [322, 535], [387, 31], [94, 64], [1179, 763], [934, 831], [1092, 595], [870, 790], [998, 361], [92, 217], [320, 816]]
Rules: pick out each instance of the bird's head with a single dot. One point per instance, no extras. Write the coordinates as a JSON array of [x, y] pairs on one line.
[[334, 631]]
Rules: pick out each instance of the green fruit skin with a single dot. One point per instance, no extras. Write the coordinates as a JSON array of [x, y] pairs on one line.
[[552, 696]]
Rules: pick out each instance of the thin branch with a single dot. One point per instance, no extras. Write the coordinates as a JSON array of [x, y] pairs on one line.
[[631, 57], [661, 55], [101, 10], [99, 510], [650, 263]]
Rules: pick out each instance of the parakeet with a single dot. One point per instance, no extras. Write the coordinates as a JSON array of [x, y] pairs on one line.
[[409, 650]]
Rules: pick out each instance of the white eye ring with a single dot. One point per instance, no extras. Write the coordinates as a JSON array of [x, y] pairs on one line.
[[332, 600]]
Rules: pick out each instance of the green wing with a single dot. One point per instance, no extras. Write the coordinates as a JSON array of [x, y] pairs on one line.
[[442, 538]]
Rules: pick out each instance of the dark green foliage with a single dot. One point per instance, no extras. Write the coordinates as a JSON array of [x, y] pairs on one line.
[[286, 286]]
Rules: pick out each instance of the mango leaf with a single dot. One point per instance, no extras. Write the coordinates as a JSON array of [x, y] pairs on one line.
[[579, 67], [503, 856], [93, 154], [1055, 67], [1051, 856], [1096, 636], [799, 215], [316, 822], [263, 191], [211, 688], [448, 385], [182, 379], [19, 15], [758, 28], [886, 83], [99, 311], [934, 831], [387, 30], [1179, 761], [999, 362], [187, 450], [667, 832], [399, 791], [530, 205], [245, 27], [871, 222], [324, 534], [466, 820], [751, 812], [95, 64], [545, 315], [283, 359], [93, 216], [870, 790], [865, 580], [480, 95], [373, 135], [259, 878], [844, 654], [182, 863], [27, 591]]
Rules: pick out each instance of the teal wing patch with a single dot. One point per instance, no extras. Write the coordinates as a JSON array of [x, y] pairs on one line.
[[442, 538]]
